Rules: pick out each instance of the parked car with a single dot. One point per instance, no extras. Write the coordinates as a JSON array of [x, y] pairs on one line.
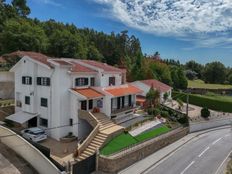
[[35, 134]]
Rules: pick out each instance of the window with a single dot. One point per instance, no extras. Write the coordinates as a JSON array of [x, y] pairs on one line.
[[27, 100], [82, 81], [43, 122], [90, 104], [111, 81], [92, 81], [43, 81], [26, 80], [70, 122], [44, 102]]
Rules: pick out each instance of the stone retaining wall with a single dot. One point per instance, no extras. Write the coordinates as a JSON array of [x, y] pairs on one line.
[[117, 162], [6, 111]]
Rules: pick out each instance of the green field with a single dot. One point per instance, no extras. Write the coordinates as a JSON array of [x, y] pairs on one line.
[[202, 84], [125, 140], [212, 101]]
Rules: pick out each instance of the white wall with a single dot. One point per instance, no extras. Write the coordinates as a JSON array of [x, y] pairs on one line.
[[105, 79], [28, 152]]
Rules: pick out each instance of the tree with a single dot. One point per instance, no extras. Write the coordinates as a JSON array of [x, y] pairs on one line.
[[178, 77], [214, 72], [21, 34], [180, 103], [230, 79], [165, 96], [191, 75], [93, 53], [195, 67], [205, 113], [153, 97], [21, 7]]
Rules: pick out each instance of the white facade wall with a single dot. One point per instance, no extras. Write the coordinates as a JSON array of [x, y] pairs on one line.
[[105, 79]]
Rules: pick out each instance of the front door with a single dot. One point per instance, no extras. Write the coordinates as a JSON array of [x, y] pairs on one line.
[[84, 105]]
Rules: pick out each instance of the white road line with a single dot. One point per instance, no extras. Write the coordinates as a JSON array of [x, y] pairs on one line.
[[227, 135], [223, 163], [187, 167], [203, 152], [216, 141]]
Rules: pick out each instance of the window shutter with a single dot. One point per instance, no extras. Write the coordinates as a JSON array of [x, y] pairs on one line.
[[38, 80], [23, 80], [30, 80], [48, 81]]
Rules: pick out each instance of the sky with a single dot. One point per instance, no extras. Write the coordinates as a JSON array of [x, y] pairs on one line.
[[185, 30]]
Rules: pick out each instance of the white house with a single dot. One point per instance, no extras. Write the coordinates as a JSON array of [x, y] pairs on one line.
[[49, 92], [145, 86]]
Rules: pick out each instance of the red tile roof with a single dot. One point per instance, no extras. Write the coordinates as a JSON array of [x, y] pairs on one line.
[[157, 85], [88, 93], [80, 68], [62, 62], [123, 90], [36, 56], [104, 66]]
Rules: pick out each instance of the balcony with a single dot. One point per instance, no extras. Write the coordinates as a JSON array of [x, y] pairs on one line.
[[126, 108]]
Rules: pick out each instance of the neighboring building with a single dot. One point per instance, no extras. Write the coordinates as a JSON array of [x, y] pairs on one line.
[[49, 92], [145, 86]]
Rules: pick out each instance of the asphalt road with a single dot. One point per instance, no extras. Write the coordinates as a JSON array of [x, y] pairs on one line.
[[204, 155]]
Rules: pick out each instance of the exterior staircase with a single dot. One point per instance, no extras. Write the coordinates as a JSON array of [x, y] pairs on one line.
[[104, 130]]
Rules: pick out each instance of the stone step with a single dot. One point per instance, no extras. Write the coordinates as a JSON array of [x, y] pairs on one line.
[[84, 155], [105, 122], [88, 152], [93, 145], [98, 140], [108, 124]]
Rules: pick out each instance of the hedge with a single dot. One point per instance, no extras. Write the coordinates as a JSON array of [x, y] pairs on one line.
[[205, 101]]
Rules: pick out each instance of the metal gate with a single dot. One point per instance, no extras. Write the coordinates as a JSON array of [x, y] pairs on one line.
[[86, 166]]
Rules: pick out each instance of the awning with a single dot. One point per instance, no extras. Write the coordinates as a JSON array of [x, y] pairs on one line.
[[21, 117]]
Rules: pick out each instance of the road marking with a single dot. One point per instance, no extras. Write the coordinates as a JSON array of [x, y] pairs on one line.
[[216, 141], [203, 152], [187, 167], [227, 135], [223, 162]]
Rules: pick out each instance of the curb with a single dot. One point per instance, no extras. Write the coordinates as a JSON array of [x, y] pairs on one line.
[[200, 133]]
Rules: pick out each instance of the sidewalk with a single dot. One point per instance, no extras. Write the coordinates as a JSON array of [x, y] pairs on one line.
[[156, 157]]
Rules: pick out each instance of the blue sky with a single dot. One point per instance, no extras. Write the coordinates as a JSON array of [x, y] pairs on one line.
[[183, 29]]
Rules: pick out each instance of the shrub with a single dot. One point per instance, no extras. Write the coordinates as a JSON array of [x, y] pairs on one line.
[[204, 101], [205, 113], [164, 114], [153, 111]]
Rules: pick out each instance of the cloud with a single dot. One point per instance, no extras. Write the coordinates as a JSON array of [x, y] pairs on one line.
[[49, 2], [206, 23]]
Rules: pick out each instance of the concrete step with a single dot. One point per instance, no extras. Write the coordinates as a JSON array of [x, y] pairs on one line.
[[93, 145], [88, 153], [89, 150], [96, 143], [100, 138], [84, 155], [105, 122], [92, 148], [106, 127]]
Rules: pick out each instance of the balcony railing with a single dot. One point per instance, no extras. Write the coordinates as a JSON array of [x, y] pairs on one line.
[[126, 108]]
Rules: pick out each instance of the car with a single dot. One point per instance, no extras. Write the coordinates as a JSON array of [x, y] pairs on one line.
[[34, 134]]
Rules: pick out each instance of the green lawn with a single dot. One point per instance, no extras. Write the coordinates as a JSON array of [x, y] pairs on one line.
[[125, 140], [202, 84], [152, 133]]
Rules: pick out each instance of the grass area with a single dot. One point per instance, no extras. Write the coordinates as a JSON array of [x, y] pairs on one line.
[[202, 84], [125, 140], [213, 101], [152, 133]]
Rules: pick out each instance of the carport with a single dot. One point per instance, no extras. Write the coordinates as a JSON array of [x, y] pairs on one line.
[[23, 117]]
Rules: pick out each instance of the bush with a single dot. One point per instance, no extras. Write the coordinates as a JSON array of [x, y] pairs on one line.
[[164, 114], [203, 101], [153, 111], [205, 113]]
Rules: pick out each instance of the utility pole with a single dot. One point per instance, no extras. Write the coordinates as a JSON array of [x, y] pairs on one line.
[[187, 104]]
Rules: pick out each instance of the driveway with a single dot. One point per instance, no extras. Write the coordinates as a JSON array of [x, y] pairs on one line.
[[11, 163]]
